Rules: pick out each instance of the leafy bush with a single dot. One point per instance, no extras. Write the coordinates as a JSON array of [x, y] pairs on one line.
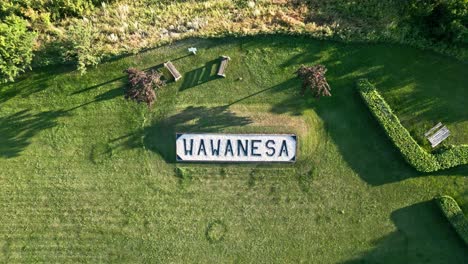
[[57, 9], [453, 156], [420, 159], [313, 77], [142, 85], [83, 44], [445, 20], [16, 46], [454, 215]]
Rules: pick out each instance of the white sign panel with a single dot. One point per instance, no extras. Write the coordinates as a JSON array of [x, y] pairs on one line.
[[236, 147]]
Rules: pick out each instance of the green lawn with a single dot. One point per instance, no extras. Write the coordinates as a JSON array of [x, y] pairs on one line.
[[88, 176]]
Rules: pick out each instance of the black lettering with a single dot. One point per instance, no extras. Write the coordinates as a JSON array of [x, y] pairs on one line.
[[253, 147], [187, 151], [268, 143], [215, 151], [284, 148], [229, 148], [245, 147], [202, 147]]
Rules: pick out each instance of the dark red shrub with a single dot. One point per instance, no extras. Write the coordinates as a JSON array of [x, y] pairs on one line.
[[142, 85], [313, 77]]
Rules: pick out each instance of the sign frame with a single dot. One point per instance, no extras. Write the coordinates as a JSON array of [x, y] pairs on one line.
[[291, 161]]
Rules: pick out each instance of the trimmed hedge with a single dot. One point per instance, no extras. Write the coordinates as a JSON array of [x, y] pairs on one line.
[[420, 159], [454, 215], [416, 156], [453, 156]]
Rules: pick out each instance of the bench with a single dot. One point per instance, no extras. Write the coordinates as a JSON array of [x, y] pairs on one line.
[[174, 72], [223, 65], [430, 131], [436, 137]]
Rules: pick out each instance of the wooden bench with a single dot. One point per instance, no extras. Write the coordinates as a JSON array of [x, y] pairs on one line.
[[436, 137], [430, 131], [223, 65], [172, 69]]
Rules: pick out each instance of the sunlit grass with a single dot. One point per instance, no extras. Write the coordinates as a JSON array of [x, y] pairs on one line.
[[88, 176]]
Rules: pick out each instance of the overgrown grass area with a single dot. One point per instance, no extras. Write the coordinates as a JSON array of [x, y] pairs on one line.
[[87, 176]]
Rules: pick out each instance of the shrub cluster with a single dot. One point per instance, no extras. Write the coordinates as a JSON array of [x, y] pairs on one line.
[[453, 156], [454, 215], [414, 154], [66, 28], [57, 9], [313, 77], [16, 45], [440, 20]]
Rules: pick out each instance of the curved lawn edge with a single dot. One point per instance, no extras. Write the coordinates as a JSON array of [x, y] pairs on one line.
[[416, 156], [454, 214]]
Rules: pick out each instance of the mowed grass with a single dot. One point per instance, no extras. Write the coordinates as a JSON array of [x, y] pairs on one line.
[[86, 176]]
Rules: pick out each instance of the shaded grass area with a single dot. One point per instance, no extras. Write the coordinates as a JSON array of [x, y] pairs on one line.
[[88, 176]]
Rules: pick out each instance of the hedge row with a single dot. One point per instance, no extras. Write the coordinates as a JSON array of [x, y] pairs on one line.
[[453, 156], [419, 158], [454, 214]]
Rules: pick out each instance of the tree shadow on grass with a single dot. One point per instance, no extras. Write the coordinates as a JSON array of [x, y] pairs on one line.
[[360, 138], [31, 82], [16, 130], [159, 137], [108, 95], [157, 67], [423, 235]]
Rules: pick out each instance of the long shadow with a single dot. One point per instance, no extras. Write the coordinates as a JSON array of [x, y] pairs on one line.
[[109, 95], [90, 88], [159, 137], [97, 85], [16, 130], [30, 83], [200, 75], [423, 235], [288, 84]]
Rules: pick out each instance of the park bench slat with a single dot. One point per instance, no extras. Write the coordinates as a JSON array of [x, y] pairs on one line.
[[172, 69], [223, 65], [439, 136], [433, 129]]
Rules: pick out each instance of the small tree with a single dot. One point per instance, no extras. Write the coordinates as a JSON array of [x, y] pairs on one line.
[[16, 47], [142, 85], [313, 77]]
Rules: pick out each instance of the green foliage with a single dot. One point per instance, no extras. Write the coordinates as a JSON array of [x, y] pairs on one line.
[[442, 20], [83, 44], [420, 159], [133, 208], [454, 215], [57, 9], [16, 45], [453, 156]]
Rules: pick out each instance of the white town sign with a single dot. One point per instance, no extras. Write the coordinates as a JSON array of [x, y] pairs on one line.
[[236, 147]]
